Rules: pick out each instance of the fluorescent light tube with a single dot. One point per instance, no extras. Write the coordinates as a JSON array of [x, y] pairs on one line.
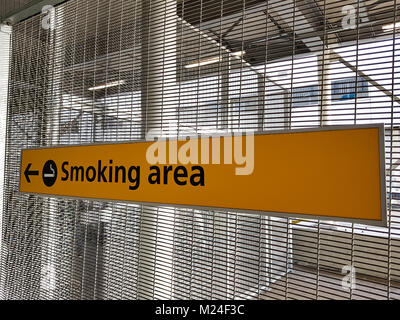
[[388, 27], [107, 85], [212, 60], [203, 62], [239, 53]]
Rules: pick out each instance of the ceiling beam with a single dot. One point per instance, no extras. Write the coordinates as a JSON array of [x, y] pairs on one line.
[[195, 11], [288, 15]]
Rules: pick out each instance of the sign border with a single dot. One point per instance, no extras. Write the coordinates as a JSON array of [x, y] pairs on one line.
[[376, 223]]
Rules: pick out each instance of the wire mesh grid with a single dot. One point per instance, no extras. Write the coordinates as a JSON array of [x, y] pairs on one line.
[[102, 71]]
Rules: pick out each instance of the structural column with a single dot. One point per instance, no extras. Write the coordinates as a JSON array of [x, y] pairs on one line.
[[158, 67], [324, 84]]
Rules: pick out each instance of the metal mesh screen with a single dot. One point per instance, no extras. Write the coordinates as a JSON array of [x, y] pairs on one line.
[[7, 6], [109, 71]]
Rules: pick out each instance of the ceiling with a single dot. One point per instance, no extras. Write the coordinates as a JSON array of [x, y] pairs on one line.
[[8, 6], [104, 42]]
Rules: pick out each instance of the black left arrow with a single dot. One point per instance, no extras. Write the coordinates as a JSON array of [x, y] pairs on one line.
[[30, 173]]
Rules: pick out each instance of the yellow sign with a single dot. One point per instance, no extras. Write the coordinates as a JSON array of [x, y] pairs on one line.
[[333, 173]]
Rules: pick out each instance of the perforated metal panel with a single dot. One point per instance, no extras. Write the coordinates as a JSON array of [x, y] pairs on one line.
[[109, 71]]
